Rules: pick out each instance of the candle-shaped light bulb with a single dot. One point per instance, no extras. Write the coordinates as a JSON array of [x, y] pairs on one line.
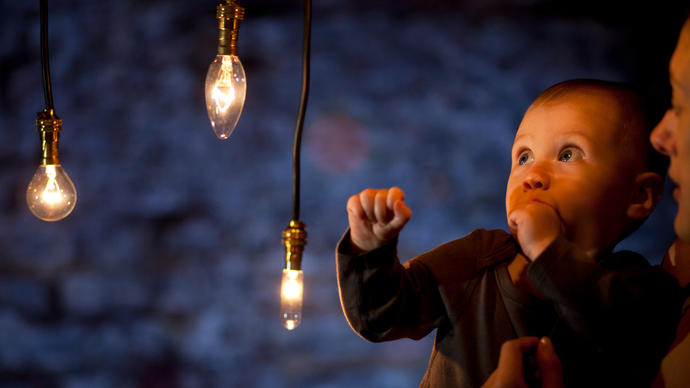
[[226, 84], [292, 284], [291, 291], [226, 87], [51, 195]]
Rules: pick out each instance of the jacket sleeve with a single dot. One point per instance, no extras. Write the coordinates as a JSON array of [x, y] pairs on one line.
[[621, 308], [384, 300]]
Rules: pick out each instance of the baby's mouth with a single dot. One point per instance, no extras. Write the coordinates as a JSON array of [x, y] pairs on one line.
[[555, 209], [543, 203]]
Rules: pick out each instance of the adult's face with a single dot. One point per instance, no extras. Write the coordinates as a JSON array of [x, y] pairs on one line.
[[672, 135]]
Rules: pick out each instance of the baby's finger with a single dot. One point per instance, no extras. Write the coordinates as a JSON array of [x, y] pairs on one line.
[[394, 194], [402, 214], [382, 213], [366, 198], [354, 207]]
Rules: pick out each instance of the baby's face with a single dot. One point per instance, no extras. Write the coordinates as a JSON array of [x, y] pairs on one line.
[[567, 155]]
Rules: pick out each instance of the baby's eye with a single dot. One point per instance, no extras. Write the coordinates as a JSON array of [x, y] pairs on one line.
[[570, 154], [525, 157]]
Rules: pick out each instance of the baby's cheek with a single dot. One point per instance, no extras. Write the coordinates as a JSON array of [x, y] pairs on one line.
[[514, 198]]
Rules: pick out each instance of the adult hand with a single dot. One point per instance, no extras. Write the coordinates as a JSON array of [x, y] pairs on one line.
[[509, 373], [376, 216], [535, 226]]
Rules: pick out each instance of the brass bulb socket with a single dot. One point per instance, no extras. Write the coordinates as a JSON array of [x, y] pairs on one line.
[[229, 16], [294, 239], [49, 126]]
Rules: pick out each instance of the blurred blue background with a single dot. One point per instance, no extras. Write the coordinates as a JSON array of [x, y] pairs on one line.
[[167, 272]]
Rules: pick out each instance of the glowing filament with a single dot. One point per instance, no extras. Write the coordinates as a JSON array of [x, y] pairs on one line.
[[223, 96], [292, 287], [291, 298], [223, 93], [51, 195]]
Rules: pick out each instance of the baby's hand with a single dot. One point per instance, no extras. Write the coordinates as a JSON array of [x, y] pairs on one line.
[[535, 225], [376, 217]]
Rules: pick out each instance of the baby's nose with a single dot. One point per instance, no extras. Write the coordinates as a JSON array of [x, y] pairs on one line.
[[537, 178], [533, 184]]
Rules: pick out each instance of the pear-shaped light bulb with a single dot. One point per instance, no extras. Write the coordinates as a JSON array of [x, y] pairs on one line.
[[226, 87], [51, 195], [291, 291]]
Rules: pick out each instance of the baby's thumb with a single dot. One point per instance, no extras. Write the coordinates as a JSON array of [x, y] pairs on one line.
[[514, 218]]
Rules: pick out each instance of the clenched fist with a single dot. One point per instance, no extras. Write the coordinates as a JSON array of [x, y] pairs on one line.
[[376, 216]]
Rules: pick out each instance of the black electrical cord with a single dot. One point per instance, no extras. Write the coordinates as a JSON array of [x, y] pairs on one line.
[[306, 49], [47, 91]]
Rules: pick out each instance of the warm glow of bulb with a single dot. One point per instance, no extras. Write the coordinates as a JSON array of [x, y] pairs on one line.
[[223, 96], [226, 87], [51, 195], [291, 292], [292, 287]]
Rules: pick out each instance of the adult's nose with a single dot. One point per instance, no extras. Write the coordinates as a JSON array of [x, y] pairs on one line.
[[662, 137]]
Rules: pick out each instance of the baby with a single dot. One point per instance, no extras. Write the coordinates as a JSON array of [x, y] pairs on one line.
[[583, 177]]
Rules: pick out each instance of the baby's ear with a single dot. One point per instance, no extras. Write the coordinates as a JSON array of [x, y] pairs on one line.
[[649, 188]]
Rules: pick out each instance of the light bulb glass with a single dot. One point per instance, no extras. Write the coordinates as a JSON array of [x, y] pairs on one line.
[[226, 87], [51, 195], [291, 291]]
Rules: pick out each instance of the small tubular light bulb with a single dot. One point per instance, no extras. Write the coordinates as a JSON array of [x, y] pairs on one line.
[[291, 291], [292, 284]]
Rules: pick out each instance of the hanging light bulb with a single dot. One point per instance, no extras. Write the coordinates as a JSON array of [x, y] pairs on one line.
[[292, 285], [295, 235], [51, 195], [226, 84]]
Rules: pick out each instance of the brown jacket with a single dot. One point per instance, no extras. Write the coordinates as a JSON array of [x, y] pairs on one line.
[[611, 321]]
